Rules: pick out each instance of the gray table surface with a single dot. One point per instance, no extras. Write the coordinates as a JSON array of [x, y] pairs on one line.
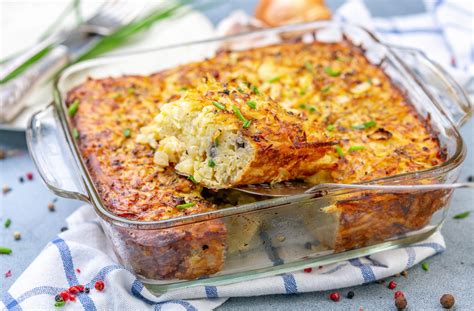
[[452, 271]]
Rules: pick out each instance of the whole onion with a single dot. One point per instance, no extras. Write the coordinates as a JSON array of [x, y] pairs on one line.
[[282, 12]]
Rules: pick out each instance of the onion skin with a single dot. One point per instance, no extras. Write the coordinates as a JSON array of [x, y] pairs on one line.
[[282, 12]]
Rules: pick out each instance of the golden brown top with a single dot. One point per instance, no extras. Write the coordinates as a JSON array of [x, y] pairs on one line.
[[333, 85]]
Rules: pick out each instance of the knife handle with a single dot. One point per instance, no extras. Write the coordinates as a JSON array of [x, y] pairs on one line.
[[12, 93]]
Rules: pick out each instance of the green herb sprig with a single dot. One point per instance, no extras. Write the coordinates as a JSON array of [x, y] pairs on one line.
[[185, 205], [365, 125], [239, 114], [462, 215]]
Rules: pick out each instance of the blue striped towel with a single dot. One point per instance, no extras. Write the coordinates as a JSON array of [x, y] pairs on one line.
[[444, 33], [85, 247]]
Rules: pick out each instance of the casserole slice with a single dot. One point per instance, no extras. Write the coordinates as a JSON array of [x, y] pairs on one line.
[[226, 134]]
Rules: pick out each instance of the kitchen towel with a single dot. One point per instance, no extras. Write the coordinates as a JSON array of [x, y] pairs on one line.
[[82, 255], [444, 33]]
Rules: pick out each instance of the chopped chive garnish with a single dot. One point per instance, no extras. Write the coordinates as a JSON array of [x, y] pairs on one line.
[[332, 72], [239, 114], [8, 222], [326, 89], [211, 163], [339, 151], [330, 127], [73, 108], [302, 92], [356, 148], [116, 95], [218, 105], [59, 303], [425, 266], [191, 178], [462, 215], [252, 104], [240, 89], [75, 133], [309, 66], [216, 142], [127, 132], [184, 89], [302, 106], [131, 90], [312, 109], [255, 90], [366, 125], [185, 205], [274, 79], [5, 250]]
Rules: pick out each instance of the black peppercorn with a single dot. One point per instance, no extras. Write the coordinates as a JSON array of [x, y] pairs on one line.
[[63, 229], [308, 245], [58, 298], [470, 178], [87, 290], [21, 179], [350, 295]]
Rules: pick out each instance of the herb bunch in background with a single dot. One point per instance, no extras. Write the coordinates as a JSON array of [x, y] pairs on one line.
[[107, 43]]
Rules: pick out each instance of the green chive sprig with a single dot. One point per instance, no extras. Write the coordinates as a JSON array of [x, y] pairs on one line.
[[365, 125], [218, 105], [191, 178], [309, 66], [73, 108], [211, 163], [425, 266], [462, 215], [356, 148], [332, 72], [75, 133], [339, 151], [239, 114], [127, 132], [8, 222], [330, 127], [5, 250], [185, 205], [326, 89], [252, 104], [274, 79]]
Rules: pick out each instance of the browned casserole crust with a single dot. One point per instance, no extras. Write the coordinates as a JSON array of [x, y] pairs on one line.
[[379, 135]]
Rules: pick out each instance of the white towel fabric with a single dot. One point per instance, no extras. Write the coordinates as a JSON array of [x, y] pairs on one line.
[[441, 32], [85, 247], [445, 33]]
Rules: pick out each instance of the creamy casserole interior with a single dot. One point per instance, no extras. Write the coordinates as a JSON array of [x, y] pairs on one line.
[[224, 134]]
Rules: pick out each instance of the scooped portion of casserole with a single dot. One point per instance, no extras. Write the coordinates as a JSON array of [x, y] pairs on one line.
[[226, 134]]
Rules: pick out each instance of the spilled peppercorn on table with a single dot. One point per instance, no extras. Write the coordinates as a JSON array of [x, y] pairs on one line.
[[27, 206]]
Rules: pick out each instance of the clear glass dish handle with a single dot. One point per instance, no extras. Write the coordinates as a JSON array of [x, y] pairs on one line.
[[438, 82], [52, 155]]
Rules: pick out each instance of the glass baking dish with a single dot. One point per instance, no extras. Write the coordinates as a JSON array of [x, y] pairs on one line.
[[270, 236]]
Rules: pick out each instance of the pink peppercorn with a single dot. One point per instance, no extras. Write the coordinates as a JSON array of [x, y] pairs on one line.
[[392, 285], [99, 285], [308, 270], [335, 296]]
